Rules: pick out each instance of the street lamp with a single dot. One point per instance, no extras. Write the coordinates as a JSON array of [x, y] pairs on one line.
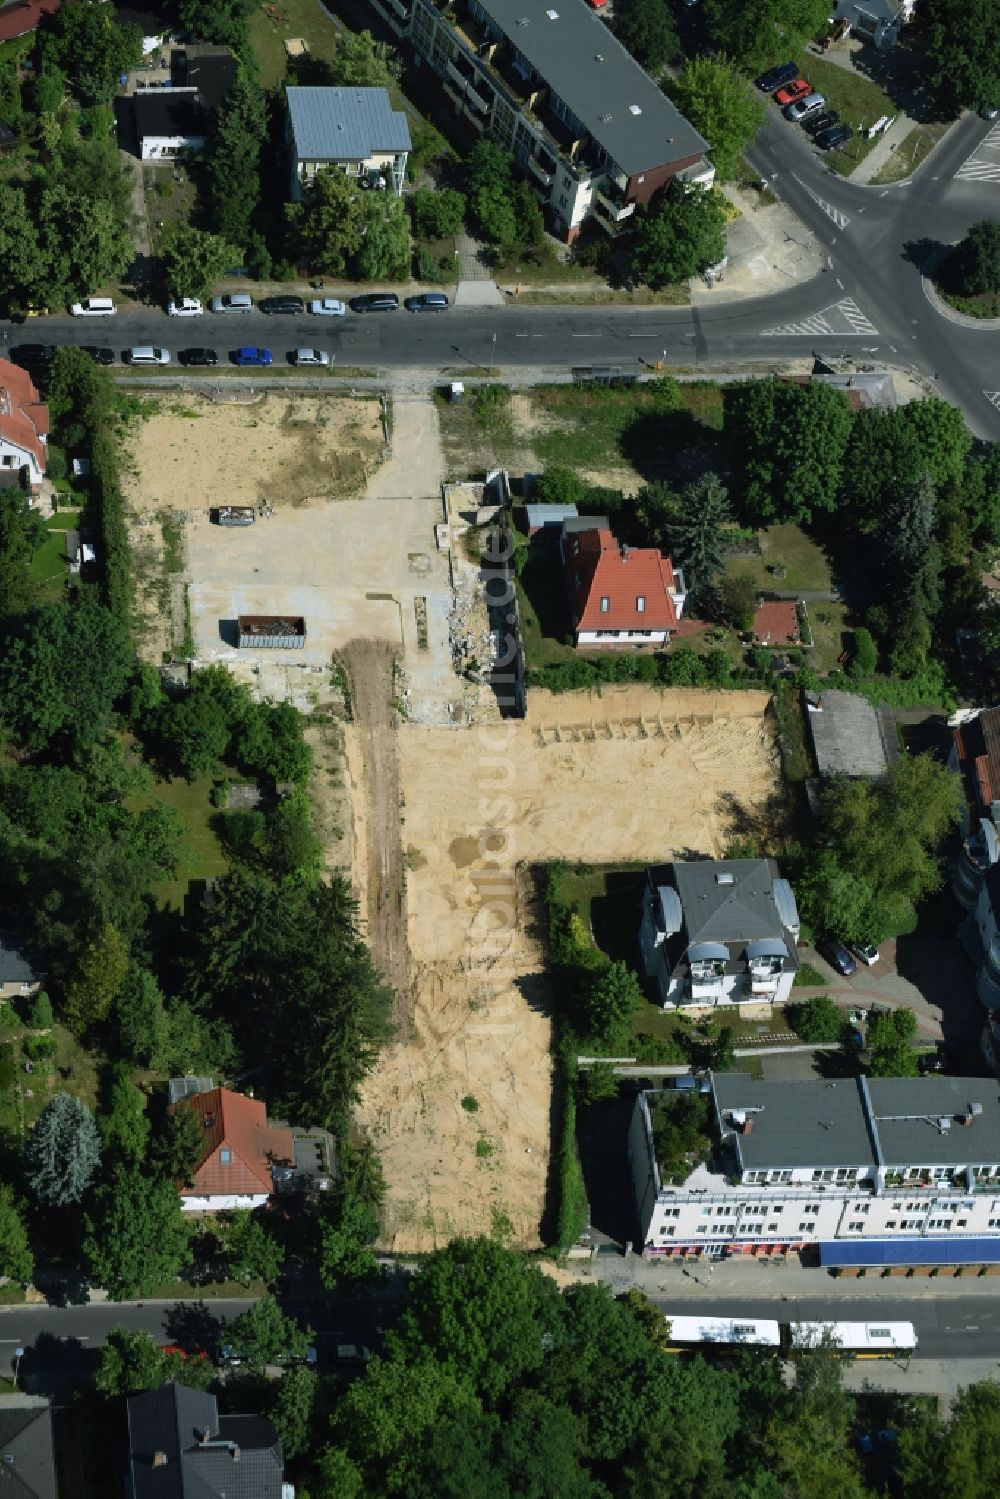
[[493, 353], [18, 1356]]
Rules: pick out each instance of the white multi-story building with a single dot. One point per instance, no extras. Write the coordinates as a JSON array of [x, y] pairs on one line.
[[868, 1171], [720, 932], [551, 82]]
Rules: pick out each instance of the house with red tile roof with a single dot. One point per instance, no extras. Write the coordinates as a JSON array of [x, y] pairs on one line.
[[18, 17], [618, 595], [975, 755], [24, 428], [244, 1155], [776, 622]]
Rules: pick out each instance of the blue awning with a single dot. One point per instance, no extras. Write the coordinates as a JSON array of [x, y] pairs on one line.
[[952, 1251]]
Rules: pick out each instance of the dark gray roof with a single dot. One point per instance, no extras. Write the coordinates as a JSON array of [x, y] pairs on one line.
[[27, 1462], [240, 1460], [908, 1113], [163, 113], [576, 523], [211, 70], [795, 1124], [728, 900], [15, 968], [846, 735], [345, 124], [584, 63]]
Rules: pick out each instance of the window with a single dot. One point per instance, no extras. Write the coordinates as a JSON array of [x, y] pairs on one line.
[[891, 1223], [807, 1228], [225, 1157], [706, 1212], [8, 460], [772, 1228], [962, 1223], [640, 604], [856, 1228], [605, 603], [703, 1228]]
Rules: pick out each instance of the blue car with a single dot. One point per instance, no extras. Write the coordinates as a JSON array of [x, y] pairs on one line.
[[253, 356]]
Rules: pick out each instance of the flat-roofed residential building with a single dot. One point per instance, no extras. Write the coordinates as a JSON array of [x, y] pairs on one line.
[[868, 1171], [550, 82]]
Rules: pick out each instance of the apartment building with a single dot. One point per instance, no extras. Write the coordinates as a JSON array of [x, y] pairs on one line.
[[868, 1171], [351, 130], [595, 135], [719, 932]]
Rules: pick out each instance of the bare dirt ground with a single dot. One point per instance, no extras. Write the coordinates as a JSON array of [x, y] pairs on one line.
[[329, 795], [630, 774], [374, 768]]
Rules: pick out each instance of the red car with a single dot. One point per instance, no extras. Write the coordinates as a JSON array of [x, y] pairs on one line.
[[793, 91]]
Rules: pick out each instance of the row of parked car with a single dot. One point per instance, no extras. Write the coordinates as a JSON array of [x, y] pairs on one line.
[[39, 356], [802, 104], [241, 301]]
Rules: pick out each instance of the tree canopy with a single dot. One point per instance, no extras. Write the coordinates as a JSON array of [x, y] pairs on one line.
[[62, 1153], [719, 103], [646, 28], [963, 53], [755, 34], [677, 236], [134, 1234]]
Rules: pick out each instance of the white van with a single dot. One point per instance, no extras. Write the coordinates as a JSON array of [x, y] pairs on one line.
[[94, 307]]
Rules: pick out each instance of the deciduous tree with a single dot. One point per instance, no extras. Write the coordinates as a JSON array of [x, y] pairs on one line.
[[62, 1153], [233, 161], [16, 1259], [437, 212], [292, 1410], [96, 980], [384, 251], [755, 34], [890, 1044], [646, 29], [130, 1362], [123, 1123], [963, 53], [610, 1000], [331, 222], [264, 1335], [135, 1236], [719, 103], [224, 22], [362, 62], [677, 236], [91, 46], [195, 260], [250, 1250]]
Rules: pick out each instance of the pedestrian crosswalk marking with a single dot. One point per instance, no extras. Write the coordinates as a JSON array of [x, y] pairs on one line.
[[840, 218], [993, 396], [984, 163]]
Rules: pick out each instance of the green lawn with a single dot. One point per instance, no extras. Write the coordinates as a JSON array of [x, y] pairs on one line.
[[205, 856], [805, 563], [541, 598], [830, 631], [72, 1070], [911, 151], [49, 561], [858, 102], [63, 520], [294, 18], [592, 425]]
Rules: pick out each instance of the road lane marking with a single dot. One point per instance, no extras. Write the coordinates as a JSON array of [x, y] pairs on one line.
[[839, 218], [993, 396], [830, 320]]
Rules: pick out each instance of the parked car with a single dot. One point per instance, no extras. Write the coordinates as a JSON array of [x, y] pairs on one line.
[[353, 1353], [328, 307], [837, 956], [185, 307], [197, 356], [310, 356], [687, 1083], [834, 138], [867, 954], [30, 356], [253, 356], [291, 305], [98, 354], [821, 122], [792, 91], [94, 307], [802, 108], [147, 354], [775, 78], [375, 301], [236, 301], [427, 301], [185, 1353], [234, 1357]]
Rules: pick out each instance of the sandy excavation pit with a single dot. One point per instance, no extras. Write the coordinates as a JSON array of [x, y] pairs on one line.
[[631, 774]]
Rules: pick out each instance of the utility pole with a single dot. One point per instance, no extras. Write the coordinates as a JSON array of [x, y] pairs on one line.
[[18, 1356]]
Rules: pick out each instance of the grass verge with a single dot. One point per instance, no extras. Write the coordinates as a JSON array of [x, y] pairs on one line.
[[912, 150], [206, 858], [857, 101]]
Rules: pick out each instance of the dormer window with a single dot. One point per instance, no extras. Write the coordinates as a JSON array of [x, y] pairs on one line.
[[640, 604], [225, 1157]]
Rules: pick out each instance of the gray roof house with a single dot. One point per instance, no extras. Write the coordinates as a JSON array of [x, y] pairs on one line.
[[850, 737], [719, 932], [27, 1460], [179, 1447], [18, 975], [877, 21], [355, 130]]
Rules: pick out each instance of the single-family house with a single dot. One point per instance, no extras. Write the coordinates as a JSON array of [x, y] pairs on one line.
[[18, 17], [350, 130], [876, 21], [27, 1458], [174, 115], [179, 1447], [24, 429], [719, 932], [18, 975], [849, 736], [618, 595], [244, 1155]]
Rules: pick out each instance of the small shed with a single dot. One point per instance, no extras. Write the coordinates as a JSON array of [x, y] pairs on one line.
[[281, 632], [849, 736], [540, 516], [777, 623]]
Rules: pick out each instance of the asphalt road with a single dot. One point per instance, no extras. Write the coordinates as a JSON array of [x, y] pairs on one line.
[[952, 1327], [868, 302]]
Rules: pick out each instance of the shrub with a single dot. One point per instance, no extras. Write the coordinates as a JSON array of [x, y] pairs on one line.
[[816, 1019], [426, 268], [40, 1012], [39, 1048], [865, 659], [559, 486]]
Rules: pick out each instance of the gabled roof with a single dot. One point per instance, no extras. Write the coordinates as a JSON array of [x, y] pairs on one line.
[[27, 1461], [598, 568], [15, 967], [848, 735], [977, 745], [179, 1448], [161, 113], [22, 16], [236, 1124], [24, 416], [345, 124]]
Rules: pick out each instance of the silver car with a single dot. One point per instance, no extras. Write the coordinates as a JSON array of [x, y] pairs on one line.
[[235, 301], [311, 356], [328, 307]]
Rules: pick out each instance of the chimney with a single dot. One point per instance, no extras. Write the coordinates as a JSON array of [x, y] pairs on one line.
[[234, 1452], [747, 1126], [206, 1435], [159, 1459]]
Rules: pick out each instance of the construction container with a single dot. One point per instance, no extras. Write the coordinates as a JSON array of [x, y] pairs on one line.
[[281, 632]]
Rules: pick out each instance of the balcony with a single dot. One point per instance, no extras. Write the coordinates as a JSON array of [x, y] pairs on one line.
[[402, 11], [617, 213], [536, 168]]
